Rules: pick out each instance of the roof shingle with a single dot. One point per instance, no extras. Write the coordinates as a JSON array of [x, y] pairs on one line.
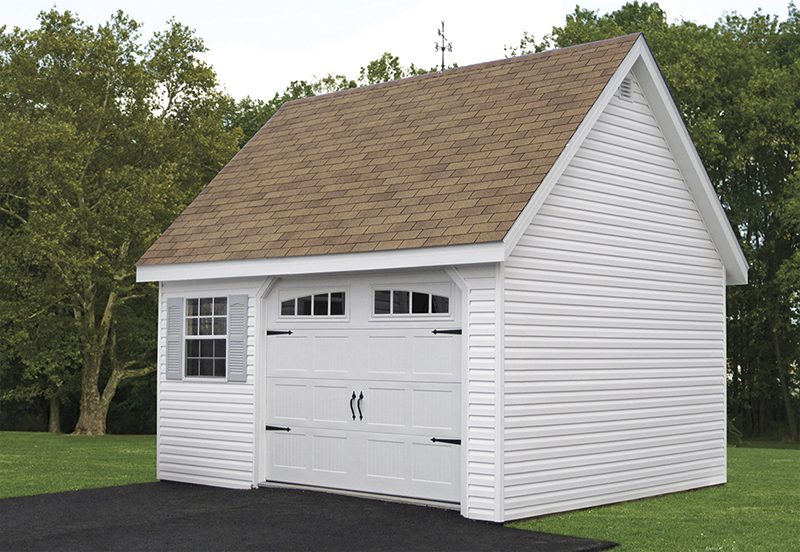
[[440, 159]]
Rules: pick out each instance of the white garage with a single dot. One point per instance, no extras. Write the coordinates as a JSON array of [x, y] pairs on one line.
[[499, 288]]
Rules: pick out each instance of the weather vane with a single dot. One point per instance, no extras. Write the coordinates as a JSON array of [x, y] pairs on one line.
[[444, 46]]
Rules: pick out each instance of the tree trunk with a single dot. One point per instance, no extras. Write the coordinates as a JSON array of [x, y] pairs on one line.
[[786, 395], [100, 344], [54, 423], [92, 418]]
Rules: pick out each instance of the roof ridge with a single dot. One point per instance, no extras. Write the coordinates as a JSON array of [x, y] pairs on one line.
[[454, 70]]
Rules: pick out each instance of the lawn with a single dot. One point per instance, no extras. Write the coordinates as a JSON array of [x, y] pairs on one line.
[[36, 463], [758, 509]]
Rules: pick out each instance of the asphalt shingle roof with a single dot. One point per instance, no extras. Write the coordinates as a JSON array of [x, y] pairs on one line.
[[441, 159]]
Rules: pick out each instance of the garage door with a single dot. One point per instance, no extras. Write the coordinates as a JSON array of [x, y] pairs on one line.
[[364, 401]]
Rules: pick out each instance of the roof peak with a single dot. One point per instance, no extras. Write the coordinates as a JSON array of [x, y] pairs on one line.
[[464, 68]]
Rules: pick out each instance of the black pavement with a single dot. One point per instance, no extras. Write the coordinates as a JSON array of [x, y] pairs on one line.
[[174, 516]]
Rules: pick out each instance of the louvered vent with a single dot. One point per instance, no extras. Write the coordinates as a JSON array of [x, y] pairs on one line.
[[625, 89]]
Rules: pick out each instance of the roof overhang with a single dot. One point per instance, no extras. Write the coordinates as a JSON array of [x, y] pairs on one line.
[[642, 64], [451, 255]]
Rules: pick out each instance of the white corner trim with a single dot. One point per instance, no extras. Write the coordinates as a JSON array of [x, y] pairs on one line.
[[321, 264], [524, 220], [500, 395], [641, 63]]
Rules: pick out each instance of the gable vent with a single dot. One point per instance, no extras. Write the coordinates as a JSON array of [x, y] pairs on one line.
[[624, 91]]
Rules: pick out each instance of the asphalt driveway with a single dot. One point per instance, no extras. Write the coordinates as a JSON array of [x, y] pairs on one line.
[[174, 516]]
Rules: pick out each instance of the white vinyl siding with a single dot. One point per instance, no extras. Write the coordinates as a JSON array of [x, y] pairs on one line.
[[205, 426], [614, 350], [480, 441]]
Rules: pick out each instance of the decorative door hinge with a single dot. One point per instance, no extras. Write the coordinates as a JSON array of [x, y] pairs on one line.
[[448, 441]]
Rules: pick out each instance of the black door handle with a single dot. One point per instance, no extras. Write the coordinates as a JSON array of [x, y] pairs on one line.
[[358, 404], [353, 412]]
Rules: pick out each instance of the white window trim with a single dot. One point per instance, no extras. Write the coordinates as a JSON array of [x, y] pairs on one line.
[[411, 316], [297, 293], [205, 337]]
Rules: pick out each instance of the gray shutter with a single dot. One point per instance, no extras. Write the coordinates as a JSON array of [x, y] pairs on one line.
[[174, 338], [237, 338]]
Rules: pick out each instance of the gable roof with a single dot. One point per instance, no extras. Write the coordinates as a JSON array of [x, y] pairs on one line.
[[443, 159]]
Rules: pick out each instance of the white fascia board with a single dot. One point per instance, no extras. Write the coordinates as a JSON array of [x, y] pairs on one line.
[[325, 264], [641, 63], [677, 135]]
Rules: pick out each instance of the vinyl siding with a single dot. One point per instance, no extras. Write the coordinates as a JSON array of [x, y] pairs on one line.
[[206, 427], [614, 348], [481, 420]]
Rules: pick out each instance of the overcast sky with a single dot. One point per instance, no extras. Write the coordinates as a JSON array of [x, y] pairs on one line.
[[258, 47]]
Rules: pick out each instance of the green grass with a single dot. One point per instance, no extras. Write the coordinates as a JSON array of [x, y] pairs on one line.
[[36, 463], [758, 509]]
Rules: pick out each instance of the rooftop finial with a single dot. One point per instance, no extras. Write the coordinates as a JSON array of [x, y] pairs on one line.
[[444, 46]]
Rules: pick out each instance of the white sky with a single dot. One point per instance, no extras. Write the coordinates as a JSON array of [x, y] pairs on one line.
[[258, 47]]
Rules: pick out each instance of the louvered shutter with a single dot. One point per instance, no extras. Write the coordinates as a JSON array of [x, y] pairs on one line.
[[175, 338], [237, 338]]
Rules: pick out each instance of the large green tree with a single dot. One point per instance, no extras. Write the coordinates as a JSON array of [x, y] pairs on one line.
[[103, 139], [737, 85]]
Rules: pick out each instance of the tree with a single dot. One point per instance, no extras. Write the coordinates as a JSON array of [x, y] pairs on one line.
[[103, 140], [251, 114], [737, 85], [388, 68]]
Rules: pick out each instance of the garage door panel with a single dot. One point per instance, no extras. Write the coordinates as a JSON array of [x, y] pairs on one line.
[[436, 356], [331, 403], [435, 409], [408, 466], [289, 355], [329, 453], [386, 459], [333, 355], [289, 401], [376, 354], [290, 451], [308, 403], [314, 457], [413, 356], [385, 407], [422, 409], [387, 356], [434, 463]]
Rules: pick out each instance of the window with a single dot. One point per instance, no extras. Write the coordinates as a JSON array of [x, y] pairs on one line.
[[206, 336], [318, 304], [398, 302]]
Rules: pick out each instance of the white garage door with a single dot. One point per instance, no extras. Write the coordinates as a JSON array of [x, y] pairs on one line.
[[367, 398]]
